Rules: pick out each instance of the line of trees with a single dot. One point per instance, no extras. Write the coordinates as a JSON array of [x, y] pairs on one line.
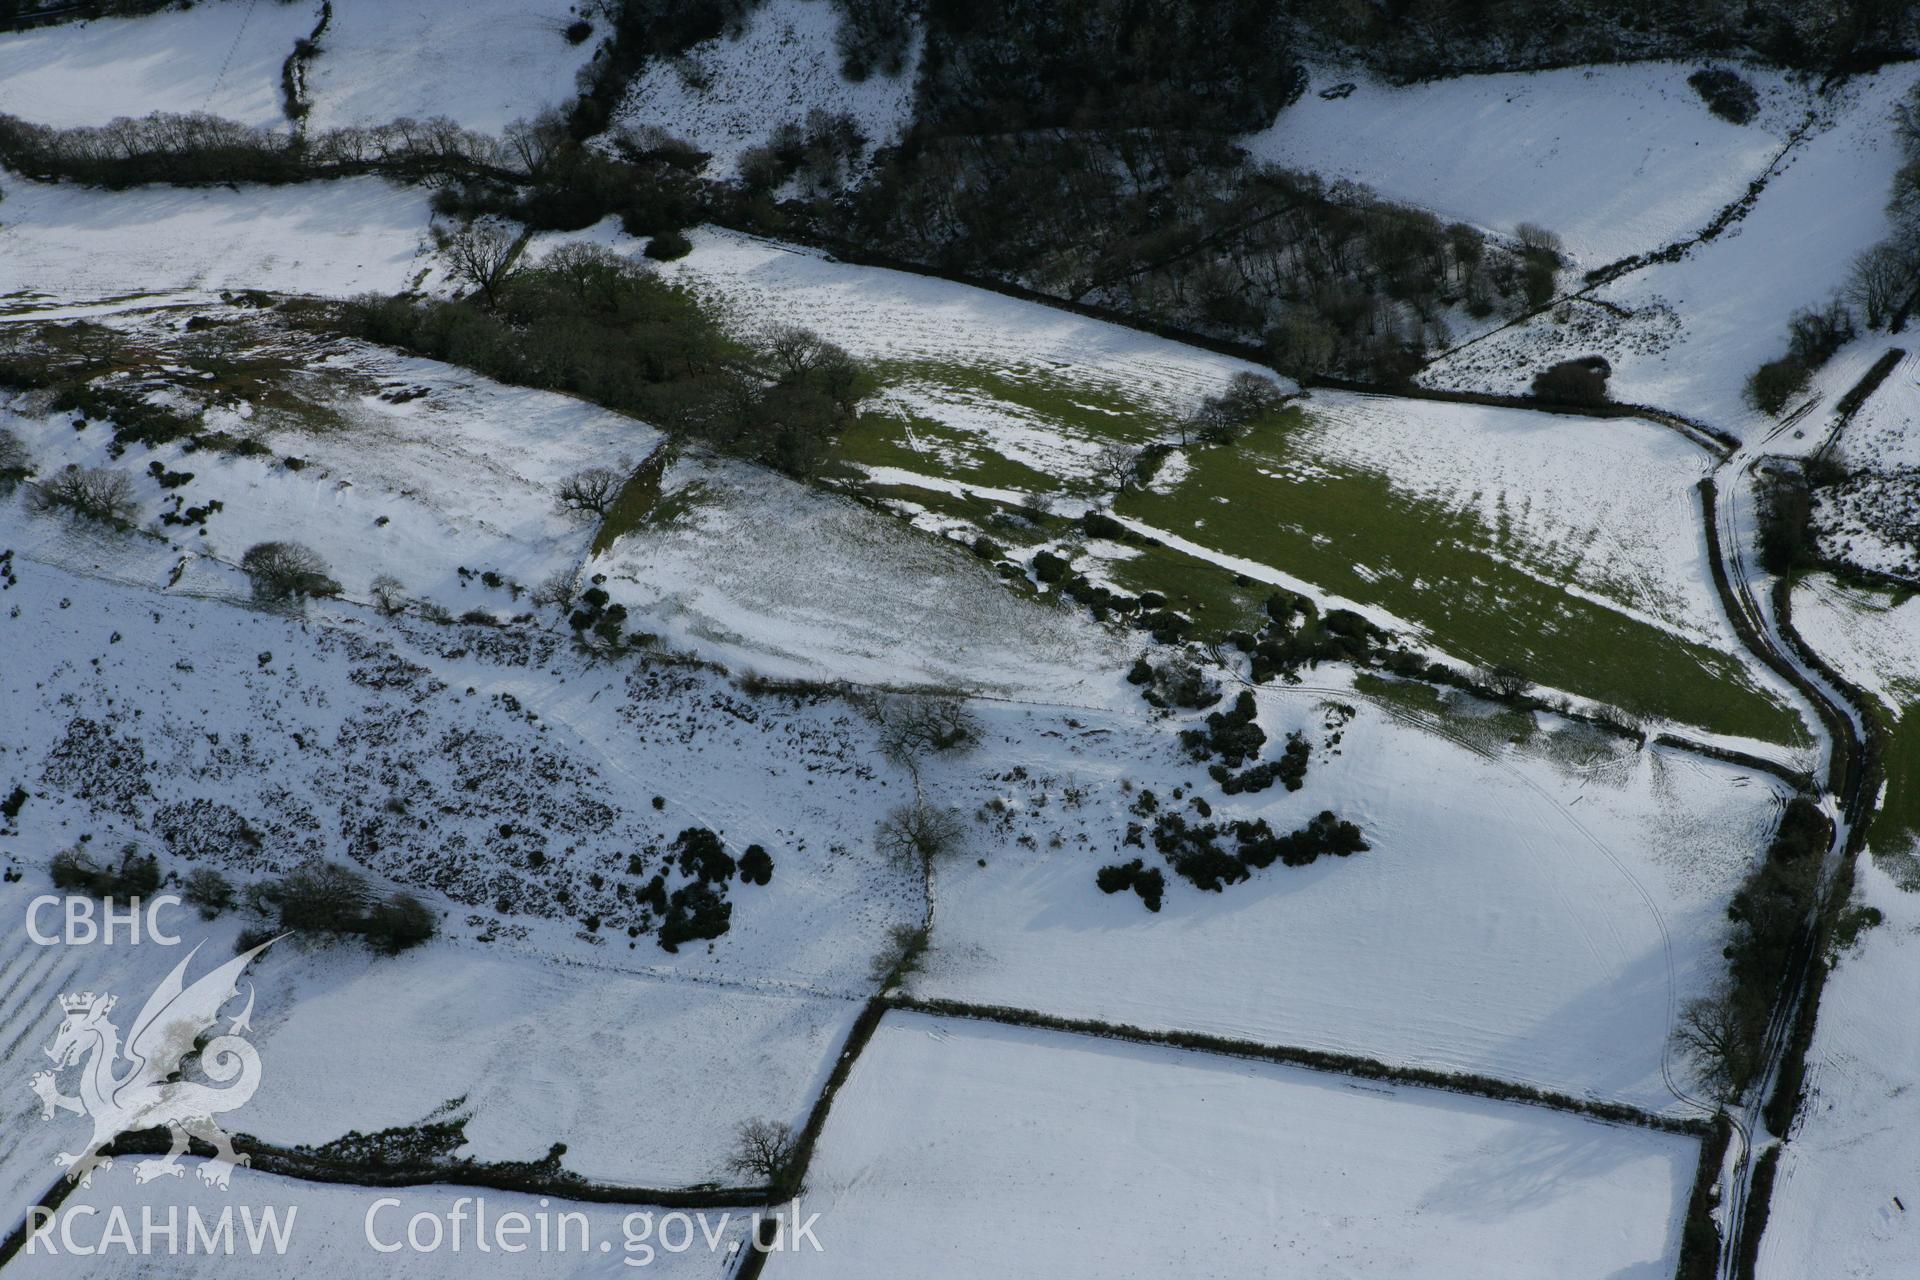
[[1880, 290], [586, 320]]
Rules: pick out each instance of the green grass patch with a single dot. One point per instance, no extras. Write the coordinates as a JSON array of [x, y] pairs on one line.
[[635, 502], [1353, 533], [1031, 398], [918, 444]]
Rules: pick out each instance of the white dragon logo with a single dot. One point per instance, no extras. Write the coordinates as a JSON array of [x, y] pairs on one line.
[[151, 1091]]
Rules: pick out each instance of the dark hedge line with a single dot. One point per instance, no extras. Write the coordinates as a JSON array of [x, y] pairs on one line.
[[1312, 1059]]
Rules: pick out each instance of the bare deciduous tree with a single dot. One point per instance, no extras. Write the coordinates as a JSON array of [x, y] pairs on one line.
[[919, 833], [589, 492], [763, 1149], [1714, 1037], [534, 143], [1878, 282], [482, 254], [558, 589], [285, 570], [915, 727], [1115, 464], [97, 493], [389, 594]]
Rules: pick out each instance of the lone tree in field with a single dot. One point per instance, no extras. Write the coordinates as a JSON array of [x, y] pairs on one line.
[[96, 493], [1719, 1043], [763, 1149], [287, 571], [589, 492], [481, 254], [389, 594], [912, 728], [1505, 681], [919, 833], [1116, 464], [1880, 279]]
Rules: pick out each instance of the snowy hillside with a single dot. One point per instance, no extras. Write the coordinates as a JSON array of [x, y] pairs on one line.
[[1142, 737], [727, 95], [1613, 160]]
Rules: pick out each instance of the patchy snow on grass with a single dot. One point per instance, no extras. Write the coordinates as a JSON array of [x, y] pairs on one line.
[[960, 1148], [1872, 517], [220, 56], [728, 94], [1526, 912], [63, 245], [484, 63], [1693, 330], [883, 315], [773, 576], [1605, 505], [1615, 160]]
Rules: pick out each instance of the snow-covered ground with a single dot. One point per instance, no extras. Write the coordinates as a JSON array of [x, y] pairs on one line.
[[346, 1233], [1615, 160], [884, 315], [1528, 914], [1607, 505], [1697, 327], [1872, 518], [219, 56], [63, 247], [1871, 638], [643, 1078], [1884, 435], [770, 575], [483, 63], [728, 94], [407, 468], [961, 1148], [1848, 1191]]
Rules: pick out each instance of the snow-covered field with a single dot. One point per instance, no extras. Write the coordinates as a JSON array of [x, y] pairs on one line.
[[339, 1231], [959, 1148], [1605, 505], [484, 63], [64, 247], [1871, 638], [772, 576], [554, 1031], [1527, 916], [884, 315], [1697, 327], [1848, 1189], [407, 468], [728, 94], [1615, 160], [643, 1078], [219, 56], [1872, 518], [1885, 434]]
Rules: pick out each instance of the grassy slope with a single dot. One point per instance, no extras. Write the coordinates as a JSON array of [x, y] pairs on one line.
[[1483, 594]]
